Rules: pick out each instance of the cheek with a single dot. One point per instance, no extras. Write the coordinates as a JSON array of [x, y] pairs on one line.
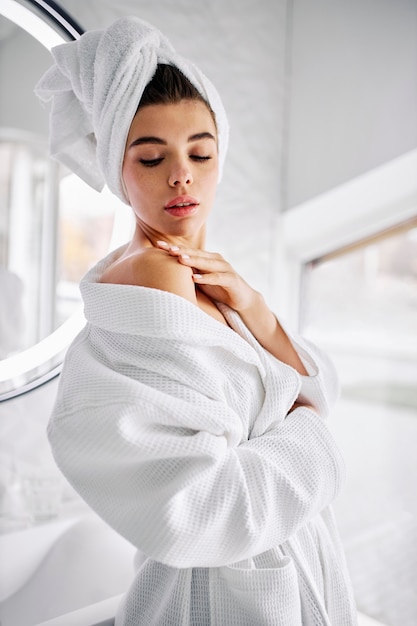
[[136, 184], [212, 181]]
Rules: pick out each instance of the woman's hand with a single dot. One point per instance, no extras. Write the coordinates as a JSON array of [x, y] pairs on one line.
[[215, 277], [219, 281]]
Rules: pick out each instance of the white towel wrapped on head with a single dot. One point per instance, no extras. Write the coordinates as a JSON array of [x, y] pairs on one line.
[[95, 87]]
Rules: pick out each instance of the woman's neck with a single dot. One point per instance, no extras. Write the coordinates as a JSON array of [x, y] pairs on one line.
[[142, 239]]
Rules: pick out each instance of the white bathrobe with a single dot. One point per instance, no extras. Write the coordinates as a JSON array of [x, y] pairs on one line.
[[175, 429]]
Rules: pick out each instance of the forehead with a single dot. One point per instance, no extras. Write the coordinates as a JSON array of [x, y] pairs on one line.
[[172, 120]]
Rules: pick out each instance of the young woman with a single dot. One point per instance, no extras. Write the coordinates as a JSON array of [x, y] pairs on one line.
[[187, 416]]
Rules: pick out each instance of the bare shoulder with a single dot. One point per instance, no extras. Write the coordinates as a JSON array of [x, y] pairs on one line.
[[152, 268]]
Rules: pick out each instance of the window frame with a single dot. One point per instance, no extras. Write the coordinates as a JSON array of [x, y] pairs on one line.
[[367, 206]]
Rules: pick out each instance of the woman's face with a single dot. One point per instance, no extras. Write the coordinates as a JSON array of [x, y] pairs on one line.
[[170, 168]]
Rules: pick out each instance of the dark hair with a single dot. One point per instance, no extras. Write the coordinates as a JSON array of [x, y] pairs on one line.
[[169, 86]]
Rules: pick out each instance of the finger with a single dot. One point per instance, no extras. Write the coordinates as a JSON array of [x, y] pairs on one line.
[[169, 247], [164, 245], [172, 249], [198, 259], [204, 263], [177, 251], [219, 279]]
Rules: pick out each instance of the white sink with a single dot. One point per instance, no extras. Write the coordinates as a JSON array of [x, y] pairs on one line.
[[59, 567]]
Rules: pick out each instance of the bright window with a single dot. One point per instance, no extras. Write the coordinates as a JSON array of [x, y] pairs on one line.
[[360, 304]]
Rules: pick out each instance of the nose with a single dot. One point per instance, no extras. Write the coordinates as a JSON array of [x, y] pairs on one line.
[[180, 175]]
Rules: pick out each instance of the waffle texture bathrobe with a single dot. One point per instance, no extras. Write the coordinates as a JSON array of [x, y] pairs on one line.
[[174, 428]]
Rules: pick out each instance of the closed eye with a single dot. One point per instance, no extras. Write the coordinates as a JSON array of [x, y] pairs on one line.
[[154, 162], [199, 158], [151, 162]]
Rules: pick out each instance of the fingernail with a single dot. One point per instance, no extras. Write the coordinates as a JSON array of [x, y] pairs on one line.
[[197, 276], [174, 248], [185, 257], [162, 243]]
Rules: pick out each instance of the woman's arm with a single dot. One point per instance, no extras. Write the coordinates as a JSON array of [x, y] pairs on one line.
[[189, 498], [219, 281], [268, 331], [179, 272]]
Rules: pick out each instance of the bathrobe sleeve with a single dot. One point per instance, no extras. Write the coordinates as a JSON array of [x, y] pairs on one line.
[[173, 474], [320, 388]]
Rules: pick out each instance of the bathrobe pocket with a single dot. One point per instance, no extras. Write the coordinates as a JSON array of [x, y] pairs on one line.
[[243, 596]]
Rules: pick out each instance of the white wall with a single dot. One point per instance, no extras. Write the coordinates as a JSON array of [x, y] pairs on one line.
[[352, 91]]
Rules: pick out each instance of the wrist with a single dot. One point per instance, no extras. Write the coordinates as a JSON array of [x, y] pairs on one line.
[[250, 303], [257, 313]]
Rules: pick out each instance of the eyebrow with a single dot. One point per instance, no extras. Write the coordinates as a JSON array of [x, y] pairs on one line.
[[161, 142]]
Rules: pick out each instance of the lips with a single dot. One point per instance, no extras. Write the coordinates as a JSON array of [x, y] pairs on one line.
[[182, 206]]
